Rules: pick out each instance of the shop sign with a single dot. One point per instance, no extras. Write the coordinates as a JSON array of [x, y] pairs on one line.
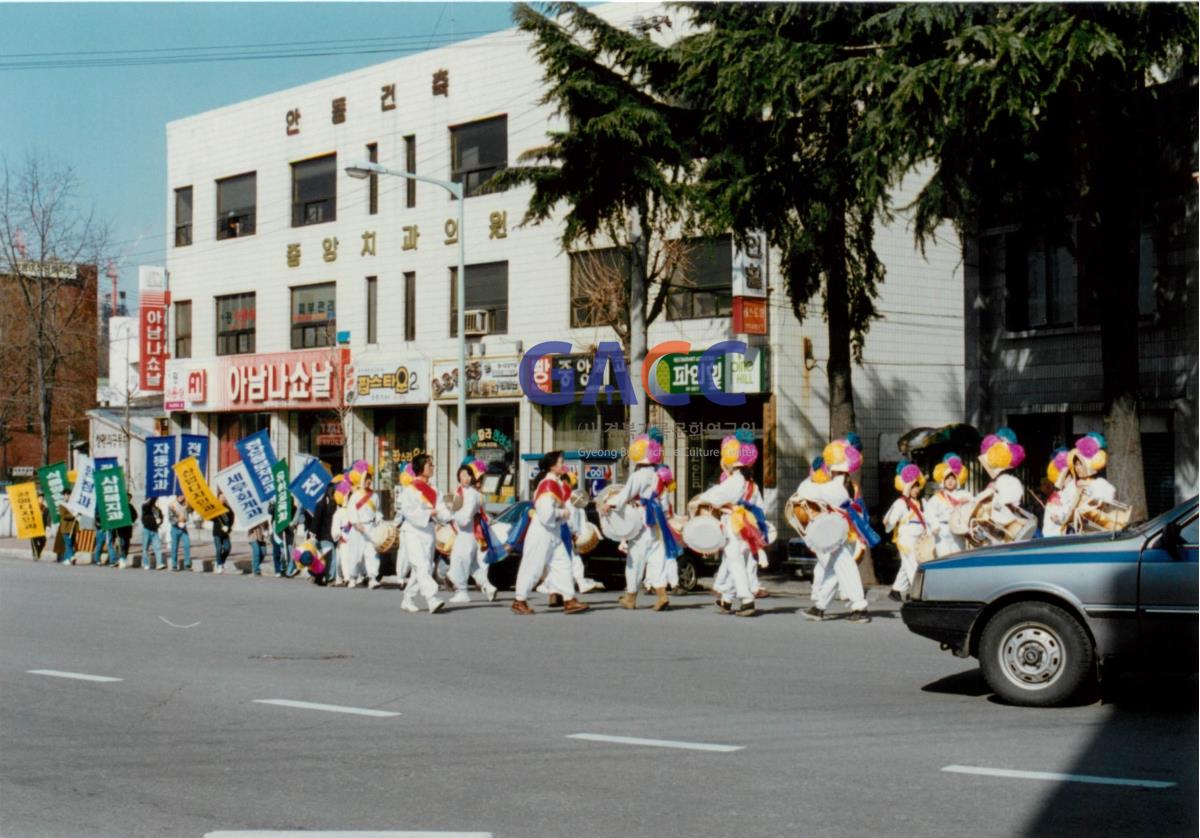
[[152, 328], [279, 381], [329, 433], [750, 268], [492, 438], [747, 373], [551, 370], [487, 378], [749, 316], [403, 382], [732, 373]]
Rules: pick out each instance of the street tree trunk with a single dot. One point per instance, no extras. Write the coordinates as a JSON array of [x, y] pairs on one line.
[[837, 303], [638, 338]]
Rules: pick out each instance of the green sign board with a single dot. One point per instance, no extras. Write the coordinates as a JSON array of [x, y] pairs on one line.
[[54, 485], [283, 495], [686, 373], [112, 500]]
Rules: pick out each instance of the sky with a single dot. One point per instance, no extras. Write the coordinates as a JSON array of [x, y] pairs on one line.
[[109, 120]]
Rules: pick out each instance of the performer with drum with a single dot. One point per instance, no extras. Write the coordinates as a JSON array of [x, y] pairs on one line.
[[363, 509], [735, 497], [1057, 517], [906, 522], [471, 523], [999, 453], [586, 538], [350, 571], [423, 510], [833, 537], [940, 507], [548, 540]]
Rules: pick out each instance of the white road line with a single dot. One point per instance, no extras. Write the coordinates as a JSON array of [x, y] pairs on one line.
[[77, 676], [329, 708], [172, 625], [1062, 778], [656, 743], [290, 833]]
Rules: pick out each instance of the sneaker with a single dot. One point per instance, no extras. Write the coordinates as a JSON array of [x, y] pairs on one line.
[[491, 593], [815, 614], [589, 585], [373, 584], [436, 605], [460, 598], [219, 569], [409, 606], [859, 616], [895, 596], [353, 583], [338, 583], [724, 607]]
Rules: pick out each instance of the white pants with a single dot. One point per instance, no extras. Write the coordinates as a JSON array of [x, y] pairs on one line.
[[465, 564], [637, 556], [577, 571], [418, 551], [533, 564], [908, 567], [350, 560], [732, 578], [948, 543], [656, 564], [838, 571]]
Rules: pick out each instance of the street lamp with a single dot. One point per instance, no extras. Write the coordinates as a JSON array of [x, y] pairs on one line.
[[361, 171]]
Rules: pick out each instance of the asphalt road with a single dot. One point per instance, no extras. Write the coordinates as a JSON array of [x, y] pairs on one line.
[[830, 729]]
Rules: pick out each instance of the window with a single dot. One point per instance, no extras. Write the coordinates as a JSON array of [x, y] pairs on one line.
[[183, 329], [183, 216], [313, 320], [372, 180], [487, 290], [235, 324], [599, 286], [410, 306], [478, 150], [1039, 277], [702, 281], [410, 166], [372, 303], [314, 191], [236, 203]]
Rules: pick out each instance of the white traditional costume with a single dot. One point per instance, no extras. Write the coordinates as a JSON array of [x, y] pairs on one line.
[[905, 520], [837, 570], [423, 510], [547, 545], [1000, 452], [464, 556], [939, 507]]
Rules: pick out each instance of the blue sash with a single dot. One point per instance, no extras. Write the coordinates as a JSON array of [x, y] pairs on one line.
[[760, 517], [658, 518], [564, 532], [862, 522], [495, 550], [516, 538]]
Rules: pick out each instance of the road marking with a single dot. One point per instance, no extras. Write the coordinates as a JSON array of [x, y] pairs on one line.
[[292, 833], [656, 743], [330, 708], [77, 676], [1062, 778], [172, 625]]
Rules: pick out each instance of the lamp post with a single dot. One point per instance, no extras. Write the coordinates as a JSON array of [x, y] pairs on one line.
[[362, 171]]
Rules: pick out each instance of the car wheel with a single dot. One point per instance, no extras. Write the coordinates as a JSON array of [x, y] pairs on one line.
[[1035, 654], [689, 577]]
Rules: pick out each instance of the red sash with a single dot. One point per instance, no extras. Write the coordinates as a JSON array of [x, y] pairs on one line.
[[427, 491], [367, 493], [554, 487], [913, 507]]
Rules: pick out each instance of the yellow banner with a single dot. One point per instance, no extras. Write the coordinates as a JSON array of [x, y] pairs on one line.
[[26, 513], [199, 496]]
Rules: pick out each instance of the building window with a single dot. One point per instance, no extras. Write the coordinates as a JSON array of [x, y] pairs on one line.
[[478, 150], [599, 286], [702, 280], [487, 291], [183, 329], [372, 307], [183, 216], [1039, 279], [372, 180], [237, 201], [235, 324], [410, 305], [314, 322], [410, 166], [314, 191]]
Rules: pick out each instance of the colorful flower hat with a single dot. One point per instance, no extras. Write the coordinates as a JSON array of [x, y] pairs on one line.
[[666, 479], [477, 466], [342, 492], [908, 474], [855, 441], [358, 471], [1059, 467], [841, 457], [1089, 456], [999, 452], [820, 472], [738, 449], [951, 464], [309, 556], [646, 449], [407, 475]]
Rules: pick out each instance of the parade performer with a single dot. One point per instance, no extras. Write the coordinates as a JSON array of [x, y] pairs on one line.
[[999, 453], [906, 522], [740, 505], [351, 570], [363, 506], [837, 567], [1088, 459], [938, 508], [666, 491], [548, 540], [653, 546], [423, 509], [578, 516], [474, 533], [403, 568], [1057, 516]]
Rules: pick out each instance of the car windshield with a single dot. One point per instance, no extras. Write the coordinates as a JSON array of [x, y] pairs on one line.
[[1159, 520]]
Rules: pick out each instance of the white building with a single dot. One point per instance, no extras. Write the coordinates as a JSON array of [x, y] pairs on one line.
[[275, 251], [123, 353]]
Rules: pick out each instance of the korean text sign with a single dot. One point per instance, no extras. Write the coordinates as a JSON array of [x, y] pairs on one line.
[[283, 498], [258, 455], [195, 490], [310, 484], [26, 514], [160, 460], [82, 502], [112, 501], [238, 488], [54, 484]]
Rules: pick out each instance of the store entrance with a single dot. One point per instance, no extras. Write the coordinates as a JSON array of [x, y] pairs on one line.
[[492, 436]]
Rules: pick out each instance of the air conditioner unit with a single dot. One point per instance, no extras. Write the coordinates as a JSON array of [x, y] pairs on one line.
[[476, 321]]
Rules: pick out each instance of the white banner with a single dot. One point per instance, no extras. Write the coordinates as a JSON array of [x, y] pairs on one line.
[[235, 484], [82, 502]]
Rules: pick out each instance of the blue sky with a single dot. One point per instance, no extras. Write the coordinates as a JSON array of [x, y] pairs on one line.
[[110, 121]]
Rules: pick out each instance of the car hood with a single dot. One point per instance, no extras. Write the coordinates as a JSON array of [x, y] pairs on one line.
[[1073, 548]]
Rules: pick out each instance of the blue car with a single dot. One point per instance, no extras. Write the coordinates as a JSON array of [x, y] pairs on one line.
[[1044, 617]]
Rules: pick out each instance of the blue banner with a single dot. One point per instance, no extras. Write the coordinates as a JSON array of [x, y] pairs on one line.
[[310, 484], [195, 445], [105, 462], [160, 462], [258, 455]]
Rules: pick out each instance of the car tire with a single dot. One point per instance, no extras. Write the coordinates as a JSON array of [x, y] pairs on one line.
[[689, 575], [1035, 654]]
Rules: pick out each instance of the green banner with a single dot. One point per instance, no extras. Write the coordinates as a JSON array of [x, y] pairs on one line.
[[53, 480], [283, 496], [112, 501]]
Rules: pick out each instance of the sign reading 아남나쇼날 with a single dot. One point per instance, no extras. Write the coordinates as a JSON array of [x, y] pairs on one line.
[[282, 380], [152, 328]]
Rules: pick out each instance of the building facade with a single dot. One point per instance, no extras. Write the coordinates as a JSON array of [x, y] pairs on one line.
[[322, 307]]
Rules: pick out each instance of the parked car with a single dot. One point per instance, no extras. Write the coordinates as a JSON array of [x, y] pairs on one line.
[[606, 562], [1044, 617]]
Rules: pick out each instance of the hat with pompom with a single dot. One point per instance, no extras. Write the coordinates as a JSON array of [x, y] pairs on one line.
[[738, 449], [841, 457], [908, 474], [1058, 467], [1000, 452], [951, 464], [477, 466], [820, 472], [1089, 457], [646, 449], [407, 475]]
